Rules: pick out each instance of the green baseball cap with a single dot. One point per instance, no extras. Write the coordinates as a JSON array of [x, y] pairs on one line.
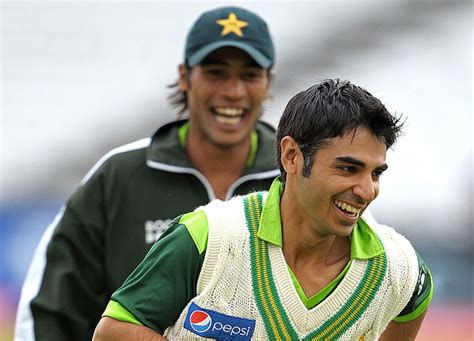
[[229, 26]]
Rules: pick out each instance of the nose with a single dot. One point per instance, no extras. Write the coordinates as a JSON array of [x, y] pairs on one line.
[[366, 189], [234, 88]]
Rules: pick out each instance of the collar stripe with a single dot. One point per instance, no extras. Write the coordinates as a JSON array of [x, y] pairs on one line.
[[356, 305], [268, 302], [277, 323]]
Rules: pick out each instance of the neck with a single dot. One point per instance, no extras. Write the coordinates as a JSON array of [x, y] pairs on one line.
[[314, 258], [302, 244], [221, 165]]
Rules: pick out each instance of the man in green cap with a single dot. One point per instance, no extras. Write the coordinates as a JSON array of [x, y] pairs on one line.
[[128, 198]]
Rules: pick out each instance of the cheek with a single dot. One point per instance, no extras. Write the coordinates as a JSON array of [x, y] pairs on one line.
[[200, 88], [376, 189], [258, 92], [309, 193]]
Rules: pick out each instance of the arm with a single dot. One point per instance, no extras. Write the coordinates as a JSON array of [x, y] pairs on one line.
[[408, 323], [403, 330], [114, 330], [157, 291], [61, 300]]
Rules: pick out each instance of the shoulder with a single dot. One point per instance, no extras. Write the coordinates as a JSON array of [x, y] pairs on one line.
[[220, 212], [227, 220], [402, 258], [392, 238], [185, 239], [410, 276], [119, 157], [196, 225], [218, 220]]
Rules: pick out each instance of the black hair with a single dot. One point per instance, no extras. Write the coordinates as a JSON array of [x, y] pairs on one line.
[[331, 109], [178, 99]]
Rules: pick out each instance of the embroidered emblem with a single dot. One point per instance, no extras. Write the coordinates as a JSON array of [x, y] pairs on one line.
[[232, 25]]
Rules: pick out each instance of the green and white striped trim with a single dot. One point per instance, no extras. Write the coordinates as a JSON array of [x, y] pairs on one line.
[[277, 323]]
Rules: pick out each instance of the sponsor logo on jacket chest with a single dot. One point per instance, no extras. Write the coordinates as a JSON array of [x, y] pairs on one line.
[[154, 229]]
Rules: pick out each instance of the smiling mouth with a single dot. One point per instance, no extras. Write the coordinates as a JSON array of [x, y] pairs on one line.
[[347, 209], [228, 115]]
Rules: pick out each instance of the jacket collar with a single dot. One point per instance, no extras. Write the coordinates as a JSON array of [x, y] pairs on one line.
[[166, 147], [364, 242]]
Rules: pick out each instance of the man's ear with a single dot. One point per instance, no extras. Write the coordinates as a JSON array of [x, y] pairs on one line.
[[291, 156], [183, 81]]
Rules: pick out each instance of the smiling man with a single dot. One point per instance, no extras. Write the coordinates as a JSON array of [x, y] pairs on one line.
[[296, 262], [129, 197]]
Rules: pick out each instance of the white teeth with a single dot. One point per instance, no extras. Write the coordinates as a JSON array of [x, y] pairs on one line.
[[230, 116], [228, 120], [233, 112], [347, 207]]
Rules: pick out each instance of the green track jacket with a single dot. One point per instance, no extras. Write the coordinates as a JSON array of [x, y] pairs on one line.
[[109, 223]]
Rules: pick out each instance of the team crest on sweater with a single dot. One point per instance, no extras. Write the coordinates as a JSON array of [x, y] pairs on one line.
[[212, 324]]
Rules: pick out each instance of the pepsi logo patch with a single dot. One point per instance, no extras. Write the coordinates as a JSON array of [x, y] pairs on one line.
[[212, 324], [200, 321]]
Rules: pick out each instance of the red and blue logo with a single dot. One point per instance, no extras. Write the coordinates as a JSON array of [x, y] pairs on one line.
[[214, 325], [200, 321]]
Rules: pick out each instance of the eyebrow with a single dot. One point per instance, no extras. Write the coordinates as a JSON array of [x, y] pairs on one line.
[[357, 162]]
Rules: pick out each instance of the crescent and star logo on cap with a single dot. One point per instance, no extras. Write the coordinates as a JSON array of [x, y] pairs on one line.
[[229, 26], [232, 25]]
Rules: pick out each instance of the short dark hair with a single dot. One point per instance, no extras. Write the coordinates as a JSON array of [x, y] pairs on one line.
[[331, 109]]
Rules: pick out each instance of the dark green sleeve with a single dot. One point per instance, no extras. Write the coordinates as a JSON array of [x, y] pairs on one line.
[[71, 296], [422, 294], [161, 286]]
